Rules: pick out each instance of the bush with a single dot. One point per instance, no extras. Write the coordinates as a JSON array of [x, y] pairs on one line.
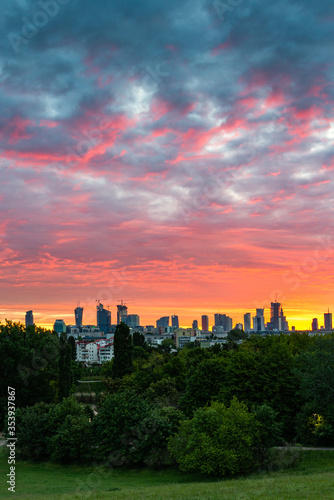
[[217, 440], [73, 440], [271, 430], [130, 430], [60, 431], [33, 431]]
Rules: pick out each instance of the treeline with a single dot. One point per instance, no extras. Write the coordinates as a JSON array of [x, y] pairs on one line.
[[37, 363], [219, 410], [292, 374]]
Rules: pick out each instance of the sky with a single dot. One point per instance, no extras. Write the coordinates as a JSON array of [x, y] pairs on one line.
[[177, 155]]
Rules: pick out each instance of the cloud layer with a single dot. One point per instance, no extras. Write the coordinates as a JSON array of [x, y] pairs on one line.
[[180, 154]]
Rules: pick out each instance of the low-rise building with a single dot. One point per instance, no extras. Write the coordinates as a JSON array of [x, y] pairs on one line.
[[94, 352], [105, 353]]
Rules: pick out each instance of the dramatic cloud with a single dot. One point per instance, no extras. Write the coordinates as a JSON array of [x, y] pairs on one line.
[[179, 154]]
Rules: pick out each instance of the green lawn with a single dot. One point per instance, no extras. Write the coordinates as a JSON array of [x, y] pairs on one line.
[[312, 479]]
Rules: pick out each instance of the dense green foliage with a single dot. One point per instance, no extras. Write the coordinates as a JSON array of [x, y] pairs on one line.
[[283, 385], [315, 371], [58, 431], [217, 440], [130, 430], [65, 375], [29, 362]]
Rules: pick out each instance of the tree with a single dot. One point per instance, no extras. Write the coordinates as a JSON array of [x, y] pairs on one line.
[[123, 349], [71, 342], [204, 383], [72, 442], [138, 340], [163, 392], [65, 375], [175, 369], [60, 431], [129, 430], [263, 376], [270, 427], [34, 431], [167, 345], [140, 353], [314, 369], [237, 334], [29, 362], [218, 440]]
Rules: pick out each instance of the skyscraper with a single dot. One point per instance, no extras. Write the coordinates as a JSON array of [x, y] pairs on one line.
[[275, 316], [258, 321], [122, 312], [132, 320], [205, 323], [247, 322], [328, 321], [103, 318], [224, 321], [29, 318], [175, 321], [195, 324], [164, 321], [283, 322], [78, 312], [220, 319], [228, 324], [315, 324]]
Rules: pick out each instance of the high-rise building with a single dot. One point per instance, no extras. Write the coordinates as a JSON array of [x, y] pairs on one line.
[[122, 312], [132, 320], [239, 326], [59, 326], [258, 321], [220, 319], [328, 321], [164, 321], [29, 318], [195, 324], [205, 323], [283, 322], [175, 321], [275, 316], [228, 324], [103, 318], [315, 324], [247, 322], [78, 313]]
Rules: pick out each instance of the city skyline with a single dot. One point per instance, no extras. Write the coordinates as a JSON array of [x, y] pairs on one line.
[[324, 319], [171, 153]]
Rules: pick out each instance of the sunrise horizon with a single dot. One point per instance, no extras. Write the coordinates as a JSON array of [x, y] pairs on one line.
[[190, 173]]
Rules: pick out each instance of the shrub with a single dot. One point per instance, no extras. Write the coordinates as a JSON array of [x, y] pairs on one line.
[[217, 440], [130, 430], [271, 429], [60, 431], [33, 431], [72, 442]]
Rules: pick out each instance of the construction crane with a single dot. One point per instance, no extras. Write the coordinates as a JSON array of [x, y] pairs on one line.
[[124, 301]]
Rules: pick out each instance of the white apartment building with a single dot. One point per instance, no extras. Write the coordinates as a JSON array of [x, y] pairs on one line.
[[94, 352]]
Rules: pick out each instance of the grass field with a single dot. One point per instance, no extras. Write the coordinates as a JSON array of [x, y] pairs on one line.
[[313, 478]]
